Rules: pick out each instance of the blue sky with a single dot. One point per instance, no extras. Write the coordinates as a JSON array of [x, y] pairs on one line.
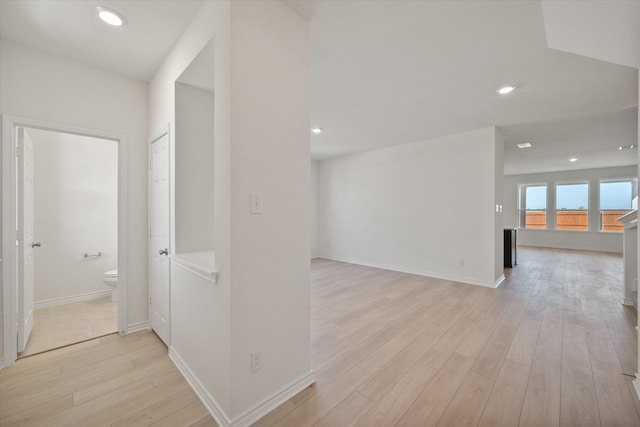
[[613, 195], [536, 197], [572, 196]]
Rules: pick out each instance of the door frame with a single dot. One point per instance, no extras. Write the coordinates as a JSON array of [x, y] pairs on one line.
[[8, 255]]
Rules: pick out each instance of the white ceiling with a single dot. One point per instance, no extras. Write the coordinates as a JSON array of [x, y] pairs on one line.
[[395, 72], [389, 72], [593, 140], [607, 30], [71, 28]]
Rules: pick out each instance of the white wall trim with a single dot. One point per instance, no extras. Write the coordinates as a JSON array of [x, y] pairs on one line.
[[9, 309], [71, 299], [418, 272], [209, 273], [137, 327], [271, 403], [250, 416], [627, 301], [207, 400]]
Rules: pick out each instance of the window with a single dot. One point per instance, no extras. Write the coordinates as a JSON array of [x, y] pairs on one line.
[[617, 197], [572, 206], [532, 206]]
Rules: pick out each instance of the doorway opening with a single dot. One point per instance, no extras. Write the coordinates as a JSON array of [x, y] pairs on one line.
[[64, 277], [75, 235]]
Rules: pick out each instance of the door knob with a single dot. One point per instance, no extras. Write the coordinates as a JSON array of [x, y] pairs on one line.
[[164, 251], [35, 245]]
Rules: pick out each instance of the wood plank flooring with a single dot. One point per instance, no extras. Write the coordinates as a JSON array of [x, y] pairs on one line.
[[109, 381], [551, 346]]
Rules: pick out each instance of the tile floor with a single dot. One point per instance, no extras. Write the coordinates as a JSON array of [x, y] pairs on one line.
[[66, 324]]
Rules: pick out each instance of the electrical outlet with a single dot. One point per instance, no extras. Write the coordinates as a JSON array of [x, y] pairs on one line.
[[461, 263], [256, 361]]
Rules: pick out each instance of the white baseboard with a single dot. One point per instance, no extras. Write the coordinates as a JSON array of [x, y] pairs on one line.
[[271, 403], [75, 298], [253, 414], [207, 400], [419, 272], [137, 327]]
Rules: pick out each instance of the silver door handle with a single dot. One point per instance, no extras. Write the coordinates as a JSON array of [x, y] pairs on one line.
[[164, 251], [35, 245]]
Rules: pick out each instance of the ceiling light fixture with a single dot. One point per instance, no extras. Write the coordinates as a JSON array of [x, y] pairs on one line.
[[110, 16], [573, 159], [626, 147], [316, 130], [524, 145], [506, 89]]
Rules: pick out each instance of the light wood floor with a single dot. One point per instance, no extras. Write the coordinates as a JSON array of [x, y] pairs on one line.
[[551, 347], [66, 324], [110, 381]]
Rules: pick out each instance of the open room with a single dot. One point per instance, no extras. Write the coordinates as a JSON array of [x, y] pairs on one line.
[[317, 212]]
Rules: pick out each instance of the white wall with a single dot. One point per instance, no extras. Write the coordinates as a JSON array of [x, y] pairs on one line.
[[315, 206], [423, 208], [40, 86], [591, 240], [261, 127], [209, 361], [499, 203], [270, 155], [75, 212], [636, 382], [194, 151]]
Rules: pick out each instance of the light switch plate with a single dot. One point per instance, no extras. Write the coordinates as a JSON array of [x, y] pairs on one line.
[[255, 204]]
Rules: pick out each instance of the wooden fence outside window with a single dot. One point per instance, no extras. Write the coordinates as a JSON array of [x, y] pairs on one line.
[[575, 220]]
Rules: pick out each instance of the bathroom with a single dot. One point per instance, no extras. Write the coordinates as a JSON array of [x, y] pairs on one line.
[[75, 229]]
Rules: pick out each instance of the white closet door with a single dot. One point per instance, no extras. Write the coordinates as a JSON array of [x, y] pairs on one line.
[[159, 280]]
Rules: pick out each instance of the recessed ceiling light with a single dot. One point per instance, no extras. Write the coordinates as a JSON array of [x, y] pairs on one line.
[[110, 16], [573, 159], [524, 145], [620, 148], [506, 89], [316, 130]]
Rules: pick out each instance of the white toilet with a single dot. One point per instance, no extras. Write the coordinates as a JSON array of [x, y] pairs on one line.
[[111, 279]]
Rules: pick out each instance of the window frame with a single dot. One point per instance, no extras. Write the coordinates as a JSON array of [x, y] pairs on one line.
[[613, 180], [587, 209], [522, 200]]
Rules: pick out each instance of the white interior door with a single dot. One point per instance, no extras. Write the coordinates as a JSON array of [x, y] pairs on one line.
[[25, 241], [159, 280]]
